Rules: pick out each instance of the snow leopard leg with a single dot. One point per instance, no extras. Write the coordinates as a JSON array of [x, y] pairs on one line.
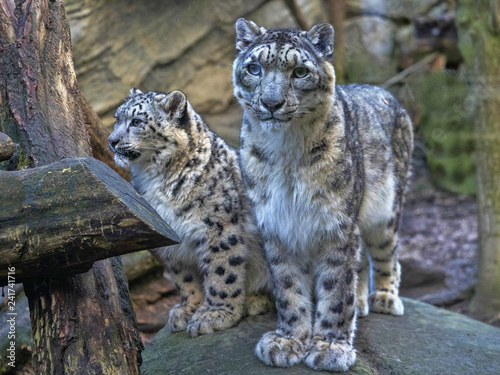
[[224, 284], [188, 283], [292, 281], [335, 321], [382, 242]]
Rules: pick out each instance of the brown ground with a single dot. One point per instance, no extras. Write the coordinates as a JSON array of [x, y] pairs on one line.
[[438, 244], [152, 302]]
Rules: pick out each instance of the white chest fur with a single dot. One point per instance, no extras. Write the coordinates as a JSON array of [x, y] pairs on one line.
[[297, 215], [290, 201]]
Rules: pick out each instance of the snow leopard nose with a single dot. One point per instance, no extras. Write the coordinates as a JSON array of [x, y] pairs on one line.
[[272, 105], [112, 142]]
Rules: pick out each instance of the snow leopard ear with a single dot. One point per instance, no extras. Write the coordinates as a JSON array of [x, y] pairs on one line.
[[174, 104], [134, 91], [321, 37], [246, 32]]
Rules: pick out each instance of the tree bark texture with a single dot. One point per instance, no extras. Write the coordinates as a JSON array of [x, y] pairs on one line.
[[479, 41], [62, 217], [84, 323], [38, 82]]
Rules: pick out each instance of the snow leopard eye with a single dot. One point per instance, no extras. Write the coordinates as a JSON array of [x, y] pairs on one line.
[[300, 72], [136, 122], [254, 69]]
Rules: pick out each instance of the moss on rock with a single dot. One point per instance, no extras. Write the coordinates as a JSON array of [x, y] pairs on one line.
[[448, 134]]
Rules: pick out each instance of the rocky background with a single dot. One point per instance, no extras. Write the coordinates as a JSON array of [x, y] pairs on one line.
[[407, 46], [189, 45]]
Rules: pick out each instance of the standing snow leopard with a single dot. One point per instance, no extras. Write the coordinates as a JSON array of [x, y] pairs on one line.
[[192, 179], [325, 167]]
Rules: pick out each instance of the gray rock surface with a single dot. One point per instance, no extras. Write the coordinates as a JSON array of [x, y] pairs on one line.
[[390, 8], [369, 50], [425, 341]]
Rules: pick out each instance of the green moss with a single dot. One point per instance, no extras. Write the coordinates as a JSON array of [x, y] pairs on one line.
[[360, 367], [24, 160], [141, 266], [448, 134]]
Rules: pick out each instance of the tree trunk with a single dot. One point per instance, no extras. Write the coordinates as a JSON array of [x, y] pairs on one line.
[[479, 41], [63, 217], [41, 102], [85, 323]]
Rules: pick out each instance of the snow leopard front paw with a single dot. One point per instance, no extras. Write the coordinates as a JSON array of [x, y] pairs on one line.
[[277, 350], [209, 319], [386, 303], [179, 317], [324, 355]]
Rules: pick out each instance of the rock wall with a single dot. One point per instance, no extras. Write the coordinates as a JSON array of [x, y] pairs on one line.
[[161, 46], [189, 45]]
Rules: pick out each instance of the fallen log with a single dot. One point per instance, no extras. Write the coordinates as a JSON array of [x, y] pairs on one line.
[[60, 218]]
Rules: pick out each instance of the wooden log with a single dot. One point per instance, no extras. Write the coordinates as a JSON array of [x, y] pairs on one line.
[[38, 82], [65, 339], [62, 217], [7, 147]]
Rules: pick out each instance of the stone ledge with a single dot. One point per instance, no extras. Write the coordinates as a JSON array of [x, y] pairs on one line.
[[425, 341]]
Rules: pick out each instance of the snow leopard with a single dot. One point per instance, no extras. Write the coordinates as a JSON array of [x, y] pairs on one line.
[[192, 179], [325, 167]]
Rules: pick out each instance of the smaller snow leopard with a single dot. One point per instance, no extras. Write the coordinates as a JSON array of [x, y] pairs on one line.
[[192, 179], [325, 167]]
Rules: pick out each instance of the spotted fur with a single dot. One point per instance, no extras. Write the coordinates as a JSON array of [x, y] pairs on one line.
[[325, 167], [192, 179]]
